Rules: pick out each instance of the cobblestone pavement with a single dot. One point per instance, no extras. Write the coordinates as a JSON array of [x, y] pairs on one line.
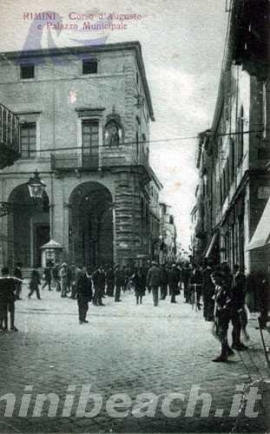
[[131, 350]]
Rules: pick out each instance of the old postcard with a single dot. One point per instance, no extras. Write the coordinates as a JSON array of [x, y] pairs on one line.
[[134, 216]]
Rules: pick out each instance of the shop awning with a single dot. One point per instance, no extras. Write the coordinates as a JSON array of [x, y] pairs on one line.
[[210, 246], [261, 236]]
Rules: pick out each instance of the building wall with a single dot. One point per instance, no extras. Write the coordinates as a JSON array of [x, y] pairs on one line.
[[57, 99]]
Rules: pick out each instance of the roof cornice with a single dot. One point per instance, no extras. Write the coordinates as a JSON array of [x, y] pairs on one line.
[[130, 45]]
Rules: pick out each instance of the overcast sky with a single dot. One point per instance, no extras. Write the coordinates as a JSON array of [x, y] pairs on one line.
[[182, 43]]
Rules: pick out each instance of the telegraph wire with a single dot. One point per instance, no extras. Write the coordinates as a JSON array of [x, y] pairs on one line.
[[74, 148]]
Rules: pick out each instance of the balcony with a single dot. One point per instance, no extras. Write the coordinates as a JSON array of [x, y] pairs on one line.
[[98, 158], [9, 137]]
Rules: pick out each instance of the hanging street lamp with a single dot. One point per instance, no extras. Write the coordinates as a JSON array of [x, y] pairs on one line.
[[36, 189]]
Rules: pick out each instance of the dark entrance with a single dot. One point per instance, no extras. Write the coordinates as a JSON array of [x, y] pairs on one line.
[[91, 231], [28, 227], [41, 236]]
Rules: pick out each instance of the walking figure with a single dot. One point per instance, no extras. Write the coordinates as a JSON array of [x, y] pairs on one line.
[[153, 281], [84, 294], [34, 284], [139, 282], [222, 315], [47, 278]]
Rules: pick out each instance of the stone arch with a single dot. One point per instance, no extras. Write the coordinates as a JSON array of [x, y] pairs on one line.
[[91, 224], [28, 227]]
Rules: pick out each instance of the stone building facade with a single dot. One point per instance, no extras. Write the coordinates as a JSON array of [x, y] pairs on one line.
[[234, 182], [84, 115]]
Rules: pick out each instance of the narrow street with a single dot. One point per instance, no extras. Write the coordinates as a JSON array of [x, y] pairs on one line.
[[131, 350]]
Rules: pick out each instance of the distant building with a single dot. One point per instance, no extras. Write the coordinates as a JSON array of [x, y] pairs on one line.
[[154, 189], [9, 137], [84, 116], [234, 183], [168, 235]]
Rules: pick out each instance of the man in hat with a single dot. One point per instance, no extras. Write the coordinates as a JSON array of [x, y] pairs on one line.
[[153, 281], [173, 280], [84, 294]]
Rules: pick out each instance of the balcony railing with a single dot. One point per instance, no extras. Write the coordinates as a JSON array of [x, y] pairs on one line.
[[97, 158], [9, 137]]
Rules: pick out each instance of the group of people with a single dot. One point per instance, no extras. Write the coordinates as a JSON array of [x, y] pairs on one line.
[[220, 291]]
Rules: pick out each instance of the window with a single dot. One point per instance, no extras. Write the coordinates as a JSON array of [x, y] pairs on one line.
[[28, 140], [90, 66], [27, 71], [90, 136]]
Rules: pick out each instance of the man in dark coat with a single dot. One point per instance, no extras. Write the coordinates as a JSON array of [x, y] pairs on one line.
[[7, 300], [208, 291], [163, 282], [185, 279], [110, 281], [173, 280], [238, 303], [99, 280], [84, 294], [153, 281], [119, 280], [47, 278]]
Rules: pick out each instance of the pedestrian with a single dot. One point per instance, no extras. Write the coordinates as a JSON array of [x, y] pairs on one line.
[[196, 285], [99, 280], [110, 281], [186, 278], [47, 278], [126, 274], [18, 275], [56, 278], [173, 281], [163, 282], [208, 291], [8, 297], [138, 280], [153, 281], [222, 315], [4, 296], [262, 284], [119, 280], [34, 284], [237, 306], [84, 294], [69, 278], [63, 273], [75, 274]]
